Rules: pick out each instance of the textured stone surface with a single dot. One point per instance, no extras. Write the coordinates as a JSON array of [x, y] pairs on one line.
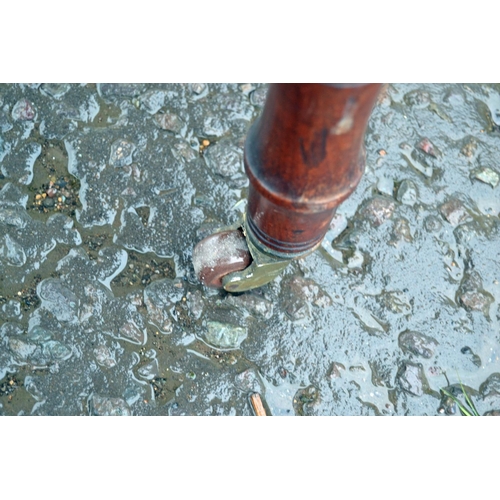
[[105, 190]]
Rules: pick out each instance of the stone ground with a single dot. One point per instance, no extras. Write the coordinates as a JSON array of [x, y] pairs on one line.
[[105, 190]]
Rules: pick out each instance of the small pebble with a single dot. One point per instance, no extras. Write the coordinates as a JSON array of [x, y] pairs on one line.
[[417, 344], [401, 231], [258, 97], [48, 202], [23, 110], [169, 121], [407, 193], [454, 212], [385, 185], [411, 378], [336, 370], [378, 210], [246, 88], [432, 224], [469, 149], [121, 153], [417, 99], [488, 176], [198, 88], [427, 147]]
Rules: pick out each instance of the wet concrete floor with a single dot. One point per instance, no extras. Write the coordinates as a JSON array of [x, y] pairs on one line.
[[104, 191]]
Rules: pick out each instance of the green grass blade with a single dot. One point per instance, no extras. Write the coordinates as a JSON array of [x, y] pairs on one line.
[[469, 401], [463, 410]]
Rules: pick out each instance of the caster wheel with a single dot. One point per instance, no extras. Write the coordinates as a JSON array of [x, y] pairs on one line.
[[220, 254]]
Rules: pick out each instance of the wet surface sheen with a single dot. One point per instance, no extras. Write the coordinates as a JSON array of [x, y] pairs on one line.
[[105, 190]]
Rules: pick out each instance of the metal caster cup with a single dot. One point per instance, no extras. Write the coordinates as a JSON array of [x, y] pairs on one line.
[[234, 260]]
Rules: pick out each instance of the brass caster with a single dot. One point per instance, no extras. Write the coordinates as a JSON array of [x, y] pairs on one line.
[[234, 260]]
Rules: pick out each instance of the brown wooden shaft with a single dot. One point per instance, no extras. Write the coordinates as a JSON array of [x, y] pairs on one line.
[[303, 157]]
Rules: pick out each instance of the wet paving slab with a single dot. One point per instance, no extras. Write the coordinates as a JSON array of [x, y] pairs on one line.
[[105, 190]]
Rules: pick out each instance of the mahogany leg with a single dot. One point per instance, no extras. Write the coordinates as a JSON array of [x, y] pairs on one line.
[[303, 157]]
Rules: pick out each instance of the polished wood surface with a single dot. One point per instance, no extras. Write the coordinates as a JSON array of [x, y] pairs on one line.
[[303, 157]]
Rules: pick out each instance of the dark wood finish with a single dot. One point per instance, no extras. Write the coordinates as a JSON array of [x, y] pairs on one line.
[[303, 157]]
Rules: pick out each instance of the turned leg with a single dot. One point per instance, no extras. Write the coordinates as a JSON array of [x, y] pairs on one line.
[[303, 157]]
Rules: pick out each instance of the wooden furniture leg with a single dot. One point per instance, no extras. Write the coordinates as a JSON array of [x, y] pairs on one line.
[[303, 157]]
